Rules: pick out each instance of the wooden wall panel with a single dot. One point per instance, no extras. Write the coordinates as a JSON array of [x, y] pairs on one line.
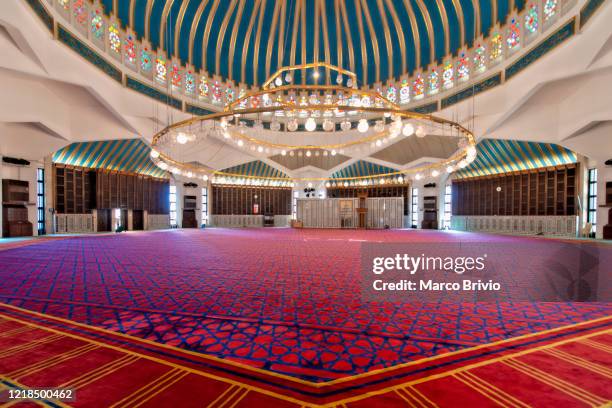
[[239, 200], [79, 190], [544, 191]]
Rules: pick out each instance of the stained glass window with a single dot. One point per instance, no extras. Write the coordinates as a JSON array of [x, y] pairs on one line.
[[130, 49], [550, 9], [189, 83], [480, 58], [328, 99], [176, 77], [375, 100], [391, 93], [203, 87], [216, 92], [78, 12], [243, 102], [366, 102], [434, 81], [463, 67], [97, 24], [114, 41], [496, 46], [531, 19], [229, 95], [448, 75], [418, 87], [161, 71], [145, 60], [405, 92], [514, 34]]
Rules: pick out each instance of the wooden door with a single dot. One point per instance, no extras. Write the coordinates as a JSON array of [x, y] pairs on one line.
[[124, 219], [189, 219], [137, 220], [104, 220]]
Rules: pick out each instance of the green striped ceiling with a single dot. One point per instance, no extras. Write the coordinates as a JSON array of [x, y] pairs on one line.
[[502, 156], [127, 155], [255, 168], [362, 168]]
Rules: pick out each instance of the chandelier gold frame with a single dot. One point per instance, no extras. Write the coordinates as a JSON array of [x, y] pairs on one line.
[[458, 160], [289, 86], [276, 85]]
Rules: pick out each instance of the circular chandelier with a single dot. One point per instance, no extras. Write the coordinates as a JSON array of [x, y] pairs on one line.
[[308, 119]]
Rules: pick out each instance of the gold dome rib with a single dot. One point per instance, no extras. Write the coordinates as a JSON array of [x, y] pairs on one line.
[[194, 27], [281, 34], [348, 35], [209, 21], [461, 19], [338, 32], [430, 32], [323, 14], [132, 11], [364, 53], [296, 16], [179, 25], [272, 35], [416, 37], [400, 34], [262, 11], [221, 36], [476, 4], [494, 12], [147, 21], [387, 31], [232, 48], [247, 40], [303, 35], [368, 18], [444, 17], [163, 22]]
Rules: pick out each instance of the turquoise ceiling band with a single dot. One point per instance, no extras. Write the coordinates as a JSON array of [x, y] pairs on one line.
[[497, 156], [124, 155]]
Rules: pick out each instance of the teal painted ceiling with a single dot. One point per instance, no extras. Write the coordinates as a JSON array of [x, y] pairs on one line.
[[362, 168], [255, 168], [126, 155], [247, 40], [497, 156]]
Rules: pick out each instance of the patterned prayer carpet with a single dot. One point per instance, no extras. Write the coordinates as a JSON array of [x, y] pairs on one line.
[[282, 301], [562, 367]]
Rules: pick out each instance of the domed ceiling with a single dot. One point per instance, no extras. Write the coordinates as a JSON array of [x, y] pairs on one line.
[[247, 40]]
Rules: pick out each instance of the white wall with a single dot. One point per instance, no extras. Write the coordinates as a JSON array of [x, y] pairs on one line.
[[437, 191], [182, 191]]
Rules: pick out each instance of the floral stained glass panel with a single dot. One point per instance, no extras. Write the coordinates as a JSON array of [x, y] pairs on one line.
[[114, 40], [550, 9], [79, 13], [514, 34], [531, 19], [405, 92], [418, 87], [145, 60], [97, 24]]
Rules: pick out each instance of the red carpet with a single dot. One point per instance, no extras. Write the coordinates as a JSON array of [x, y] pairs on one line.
[[564, 367], [281, 300]]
